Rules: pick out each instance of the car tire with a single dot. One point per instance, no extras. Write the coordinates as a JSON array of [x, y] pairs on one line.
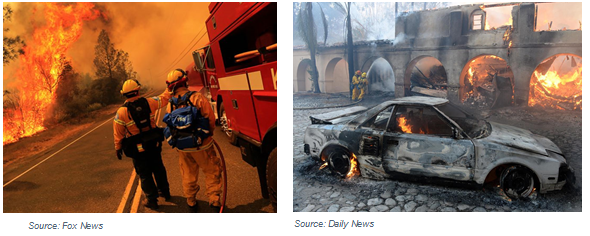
[[339, 161], [517, 182], [271, 176]]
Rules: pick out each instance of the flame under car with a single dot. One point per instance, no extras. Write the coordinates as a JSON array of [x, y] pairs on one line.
[[429, 137]]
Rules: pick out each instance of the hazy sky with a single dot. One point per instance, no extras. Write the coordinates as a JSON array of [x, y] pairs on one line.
[[154, 35]]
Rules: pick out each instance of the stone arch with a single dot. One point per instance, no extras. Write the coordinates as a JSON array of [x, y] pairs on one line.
[[303, 76], [336, 76], [487, 81], [380, 74], [556, 82], [426, 75], [367, 64]]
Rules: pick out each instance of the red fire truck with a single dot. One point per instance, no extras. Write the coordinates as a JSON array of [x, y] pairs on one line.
[[238, 72]]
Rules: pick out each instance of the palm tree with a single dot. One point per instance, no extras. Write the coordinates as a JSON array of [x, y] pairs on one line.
[[308, 32]]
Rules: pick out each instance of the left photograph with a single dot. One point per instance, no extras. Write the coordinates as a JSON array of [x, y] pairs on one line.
[[140, 107]]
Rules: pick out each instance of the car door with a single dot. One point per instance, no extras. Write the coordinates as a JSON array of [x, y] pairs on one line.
[[419, 141], [370, 143]]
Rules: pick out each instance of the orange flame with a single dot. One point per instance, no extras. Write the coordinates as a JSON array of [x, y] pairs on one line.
[[500, 13], [405, 126], [508, 37], [480, 74], [558, 90], [353, 167], [41, 66]]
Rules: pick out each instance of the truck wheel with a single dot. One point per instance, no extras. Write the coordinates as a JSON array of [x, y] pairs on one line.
[[517, 182], [271, 176], [223, 121]]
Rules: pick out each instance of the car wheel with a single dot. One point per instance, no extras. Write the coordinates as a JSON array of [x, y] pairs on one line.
[[223, 121], [517, 182], [271, 176], [339, 161]]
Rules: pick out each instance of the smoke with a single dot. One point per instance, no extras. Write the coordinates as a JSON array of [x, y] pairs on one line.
[[561, 15], [381, 76], [154, 35]]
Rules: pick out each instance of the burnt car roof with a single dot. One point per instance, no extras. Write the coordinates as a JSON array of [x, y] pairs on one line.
[[433, 101], [413, 100]]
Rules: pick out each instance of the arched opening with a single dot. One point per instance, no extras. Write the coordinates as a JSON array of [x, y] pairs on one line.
[[557, 83], [487, 82], [336, 76], [381, 77], [425, 75], [304, 76]]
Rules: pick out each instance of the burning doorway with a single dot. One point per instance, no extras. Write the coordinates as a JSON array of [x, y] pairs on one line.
[[557, 83], [426, 75], [380, 75], [487, 82], [303, 82], [336, 76]]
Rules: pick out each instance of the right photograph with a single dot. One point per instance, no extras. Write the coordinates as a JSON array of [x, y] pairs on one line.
[[437, 107]]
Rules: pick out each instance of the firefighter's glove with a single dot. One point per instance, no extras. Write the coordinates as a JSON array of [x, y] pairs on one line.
[[119, 154]]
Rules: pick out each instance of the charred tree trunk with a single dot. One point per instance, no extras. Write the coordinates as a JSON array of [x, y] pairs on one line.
[[350, 48], [315, 77], [308, 33]]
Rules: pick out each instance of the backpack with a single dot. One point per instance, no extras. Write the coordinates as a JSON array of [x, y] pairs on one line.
[[148, 137], [186, 127]]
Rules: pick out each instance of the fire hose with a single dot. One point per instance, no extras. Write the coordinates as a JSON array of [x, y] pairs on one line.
[[224, 173]]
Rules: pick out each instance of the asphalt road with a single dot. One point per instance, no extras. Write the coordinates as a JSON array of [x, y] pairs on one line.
[[87, 177]]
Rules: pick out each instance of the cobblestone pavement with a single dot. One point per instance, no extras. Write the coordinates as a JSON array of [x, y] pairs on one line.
[[317, 190]]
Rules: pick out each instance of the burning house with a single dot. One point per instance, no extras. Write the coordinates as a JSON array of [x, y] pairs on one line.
[[486, 56]]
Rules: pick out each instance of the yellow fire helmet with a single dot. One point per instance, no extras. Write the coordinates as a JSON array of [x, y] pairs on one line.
[[364, 75], [130, 85], [175, 78]]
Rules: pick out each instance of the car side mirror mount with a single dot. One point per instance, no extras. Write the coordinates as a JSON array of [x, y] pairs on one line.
[[456, 134]]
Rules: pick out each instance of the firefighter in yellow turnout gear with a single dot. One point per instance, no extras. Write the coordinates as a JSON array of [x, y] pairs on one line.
[[135, 131], [363, 86], [355, 85], [204, 156]]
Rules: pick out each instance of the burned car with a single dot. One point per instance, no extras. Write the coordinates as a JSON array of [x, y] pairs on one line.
[[431, 138]]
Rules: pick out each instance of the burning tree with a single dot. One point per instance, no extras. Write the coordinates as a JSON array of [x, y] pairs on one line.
[[41, 68], [11, 45]]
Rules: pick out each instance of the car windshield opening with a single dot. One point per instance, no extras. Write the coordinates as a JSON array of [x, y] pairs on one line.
[[474, 127], [379, 122]]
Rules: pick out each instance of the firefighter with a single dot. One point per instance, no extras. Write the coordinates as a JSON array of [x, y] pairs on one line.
[[363, 85], [203, 156], [136, 134], [355, 85]]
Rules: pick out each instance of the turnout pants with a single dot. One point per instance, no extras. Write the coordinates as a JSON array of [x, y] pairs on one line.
[[149, 163], [355, 93], [362, 93], [206, 159]]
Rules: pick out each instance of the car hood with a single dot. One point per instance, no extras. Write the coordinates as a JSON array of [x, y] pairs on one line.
[[519, 138]]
